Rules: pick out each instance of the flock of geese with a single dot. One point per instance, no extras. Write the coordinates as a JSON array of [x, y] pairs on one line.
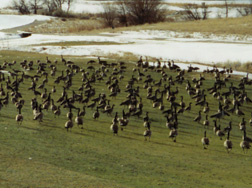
[[13, 75]]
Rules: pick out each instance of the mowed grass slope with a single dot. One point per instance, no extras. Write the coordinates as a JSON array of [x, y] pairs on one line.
[[46, 155]]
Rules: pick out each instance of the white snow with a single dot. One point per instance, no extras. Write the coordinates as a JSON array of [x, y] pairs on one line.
[[5, 36], [80, 6], [145, 43], [5, 3], [11, 21]]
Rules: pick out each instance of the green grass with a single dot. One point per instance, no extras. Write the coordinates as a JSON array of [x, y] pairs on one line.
[[46, 155]]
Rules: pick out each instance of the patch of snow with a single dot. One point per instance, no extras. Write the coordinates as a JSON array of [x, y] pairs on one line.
[[145, 43], [5, 3], [174, 8], [5, 36], [11, 21], [85, 7]]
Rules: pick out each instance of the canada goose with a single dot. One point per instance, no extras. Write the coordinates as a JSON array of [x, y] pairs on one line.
[[206, 122], [173, 134], [20, 103], [79, 119], [238, 111], [206, 108], [242, 124], [228, 143], [245, 143], [115, 119], [6, 99], [140, 103], [201, 103], [96, 114], [247, 99], [39, 114], [182, 103], [146, 118], [244, 137], [53, 106], [69, 124], [19, 117], [44, 95], [198, 118], [83, 112], [146, 124], [181, 111], [188, 108], [147, 133], [46, 105], [114, 128], [53, 89], [137, 113], [205, 141], [139, 62], [92, 105], [219, 132], [123, 122], [69, 114], [57, 112], [109, 110], [102, 62], [48, 61], [153, 97], [228, 128], [155, 104], [34, 103], [221, 113], [215, 128], [169, 124], [250, 121]]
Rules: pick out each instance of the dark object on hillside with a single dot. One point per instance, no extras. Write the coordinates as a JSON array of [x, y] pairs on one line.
[[24, 35]]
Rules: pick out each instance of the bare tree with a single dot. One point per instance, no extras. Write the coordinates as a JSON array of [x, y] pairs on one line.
[[109, 14], [51, 6], [69, 2], [245, 11], [226, 5], [192, 12], [21, 6], [122, 13], [204, 11], [59, 3], [35, 5], [143, 11]]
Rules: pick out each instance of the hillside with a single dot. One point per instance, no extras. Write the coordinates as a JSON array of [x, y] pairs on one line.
[[45, 154]]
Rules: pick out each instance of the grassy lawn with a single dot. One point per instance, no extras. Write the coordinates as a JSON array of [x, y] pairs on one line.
[[46, 155]]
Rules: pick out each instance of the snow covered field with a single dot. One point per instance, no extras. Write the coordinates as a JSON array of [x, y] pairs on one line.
[[11, 21], [158, 44]]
